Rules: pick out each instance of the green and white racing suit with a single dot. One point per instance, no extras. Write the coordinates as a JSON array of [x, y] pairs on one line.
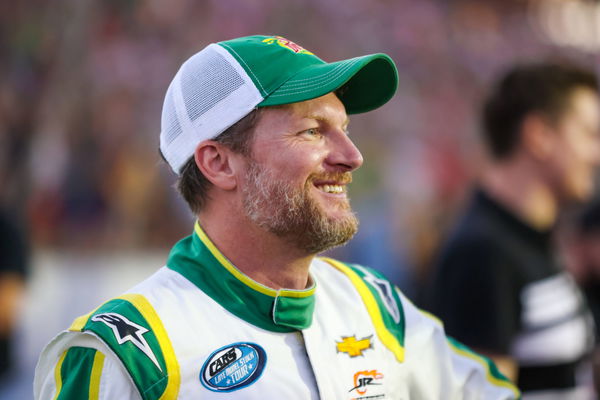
[[200, 329]]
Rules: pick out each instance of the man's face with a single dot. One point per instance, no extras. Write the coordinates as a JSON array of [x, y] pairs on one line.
[[295, 180], [577, 149]]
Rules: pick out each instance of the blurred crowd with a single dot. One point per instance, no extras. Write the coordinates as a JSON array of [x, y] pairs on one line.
[[82, 83]]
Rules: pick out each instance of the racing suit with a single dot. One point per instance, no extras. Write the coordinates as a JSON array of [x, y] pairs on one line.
[[200, 329]]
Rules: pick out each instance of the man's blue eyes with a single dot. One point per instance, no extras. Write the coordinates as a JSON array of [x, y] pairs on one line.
[[316, 132]]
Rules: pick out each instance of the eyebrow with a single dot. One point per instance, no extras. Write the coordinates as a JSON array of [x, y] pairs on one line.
[[322, 119]]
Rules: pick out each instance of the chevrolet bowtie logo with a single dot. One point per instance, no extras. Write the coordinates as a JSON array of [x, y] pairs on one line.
[[354, 347]]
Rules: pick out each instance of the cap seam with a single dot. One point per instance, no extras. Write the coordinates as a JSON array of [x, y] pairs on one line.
[[308, 89], [324, 78], [247, 66], [316, 79], [290, 92], [337, 67], [319, 81]]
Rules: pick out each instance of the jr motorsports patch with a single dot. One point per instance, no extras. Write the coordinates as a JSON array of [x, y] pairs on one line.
[[233, 367]]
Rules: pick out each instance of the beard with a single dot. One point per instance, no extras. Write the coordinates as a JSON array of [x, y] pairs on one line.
[[291, 213]]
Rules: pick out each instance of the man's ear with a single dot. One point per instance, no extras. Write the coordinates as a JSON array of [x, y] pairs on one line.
[[216, 163], [538, 137]]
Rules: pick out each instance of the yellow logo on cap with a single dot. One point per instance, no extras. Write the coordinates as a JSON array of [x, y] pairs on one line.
[[353, 347], [288, 44]]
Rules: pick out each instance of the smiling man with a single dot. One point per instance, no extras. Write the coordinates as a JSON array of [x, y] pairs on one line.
[[257, 130]]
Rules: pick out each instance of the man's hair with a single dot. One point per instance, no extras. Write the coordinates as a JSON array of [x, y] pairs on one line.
[[537, 88], [192, 184]]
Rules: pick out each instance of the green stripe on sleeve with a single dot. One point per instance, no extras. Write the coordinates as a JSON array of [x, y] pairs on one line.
[[75, 374], [493, 375]]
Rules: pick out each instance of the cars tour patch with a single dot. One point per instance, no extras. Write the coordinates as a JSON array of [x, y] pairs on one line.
[[233, 367]]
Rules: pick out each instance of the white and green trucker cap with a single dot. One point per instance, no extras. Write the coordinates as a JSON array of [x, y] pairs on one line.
[[225, 81]]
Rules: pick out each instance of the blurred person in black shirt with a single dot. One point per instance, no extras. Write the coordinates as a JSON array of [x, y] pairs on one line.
[[497, 284], [582, 257], [13, 272]]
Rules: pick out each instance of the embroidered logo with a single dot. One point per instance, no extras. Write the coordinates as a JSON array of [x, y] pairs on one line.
[[233, 367], [288, 44], [354, 347], [127, 331], [363, 380]]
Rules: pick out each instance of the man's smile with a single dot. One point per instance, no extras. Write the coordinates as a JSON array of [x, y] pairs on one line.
[[332, 188]]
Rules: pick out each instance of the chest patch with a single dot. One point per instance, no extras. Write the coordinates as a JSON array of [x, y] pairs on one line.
[[354, 347], [367, 381], [233, 367]]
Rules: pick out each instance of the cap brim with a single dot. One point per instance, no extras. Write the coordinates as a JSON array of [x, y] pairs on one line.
[[362, 84]]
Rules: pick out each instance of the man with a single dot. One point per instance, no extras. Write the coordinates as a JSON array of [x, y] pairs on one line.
[[257, 129], [497, 286]]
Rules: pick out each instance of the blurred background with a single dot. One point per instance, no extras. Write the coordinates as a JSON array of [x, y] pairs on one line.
[[81, 90]]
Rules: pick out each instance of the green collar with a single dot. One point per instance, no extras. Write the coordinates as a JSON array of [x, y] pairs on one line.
[[284, 310]]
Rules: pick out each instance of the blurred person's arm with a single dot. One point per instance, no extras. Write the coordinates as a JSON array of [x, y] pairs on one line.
[[11, 292], [13, 273], [12, 286]]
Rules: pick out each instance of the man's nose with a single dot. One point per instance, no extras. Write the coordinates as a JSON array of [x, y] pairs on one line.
[[344, 153]]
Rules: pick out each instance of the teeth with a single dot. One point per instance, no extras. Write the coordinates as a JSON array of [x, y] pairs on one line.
[[332, 188]]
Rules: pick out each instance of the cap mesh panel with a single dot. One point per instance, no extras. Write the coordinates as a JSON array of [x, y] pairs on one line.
[[205, 81], [169, 116]]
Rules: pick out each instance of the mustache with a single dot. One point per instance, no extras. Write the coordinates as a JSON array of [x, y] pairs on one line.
[[339, 177]]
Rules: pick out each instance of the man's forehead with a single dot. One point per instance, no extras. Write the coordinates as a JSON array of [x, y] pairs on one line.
[[326, 108]]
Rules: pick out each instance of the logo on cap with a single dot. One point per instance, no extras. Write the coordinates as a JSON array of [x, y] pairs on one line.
[[288, 44]]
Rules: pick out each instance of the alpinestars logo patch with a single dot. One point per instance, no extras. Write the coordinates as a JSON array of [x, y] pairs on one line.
[[127, 331]]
